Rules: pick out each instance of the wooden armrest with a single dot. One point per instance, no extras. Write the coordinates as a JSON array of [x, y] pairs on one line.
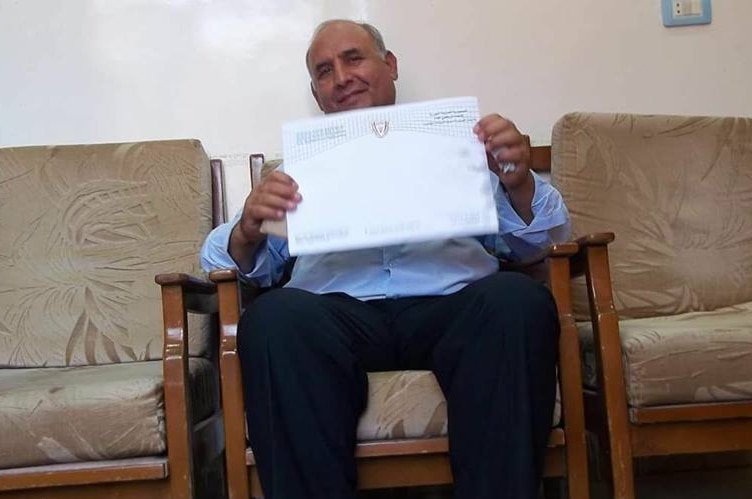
[[181, 293], [189, 282], [233, 406], [596, 239], [593, 261], [248, 291], [586, 243], [228, 290], [198, 296], [223, 275]]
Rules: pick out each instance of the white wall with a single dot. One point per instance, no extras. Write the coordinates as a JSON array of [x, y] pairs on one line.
[[229, 72]]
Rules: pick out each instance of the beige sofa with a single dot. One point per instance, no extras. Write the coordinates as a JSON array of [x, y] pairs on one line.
[[90, 405], [668, 354]]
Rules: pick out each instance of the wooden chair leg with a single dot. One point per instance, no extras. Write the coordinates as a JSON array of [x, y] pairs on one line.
[[622, 473]]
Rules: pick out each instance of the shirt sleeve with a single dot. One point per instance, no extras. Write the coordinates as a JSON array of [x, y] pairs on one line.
[[269, 261], [516, 239]]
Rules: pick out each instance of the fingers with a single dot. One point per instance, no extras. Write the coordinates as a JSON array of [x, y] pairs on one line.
[[502, 139], [277, 194], [516, 154], [288, 192], [265, 205], [497, 132], [278, 176], [491, 124]]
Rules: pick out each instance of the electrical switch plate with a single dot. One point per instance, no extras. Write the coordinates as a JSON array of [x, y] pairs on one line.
[[685, 12]]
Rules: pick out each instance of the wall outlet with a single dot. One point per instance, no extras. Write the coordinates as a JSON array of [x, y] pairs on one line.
[[686, 12]]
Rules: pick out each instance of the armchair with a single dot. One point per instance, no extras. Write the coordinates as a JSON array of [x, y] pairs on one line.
[[667, 349], [100, 394], [402, 434]]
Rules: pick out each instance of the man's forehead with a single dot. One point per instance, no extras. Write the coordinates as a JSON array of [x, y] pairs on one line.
[[340, 37]]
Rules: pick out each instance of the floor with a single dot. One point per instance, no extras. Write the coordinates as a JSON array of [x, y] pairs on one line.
[[713, 484]]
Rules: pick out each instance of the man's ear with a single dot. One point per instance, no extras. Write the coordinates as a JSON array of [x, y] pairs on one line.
[[316, 96], [391, 61]]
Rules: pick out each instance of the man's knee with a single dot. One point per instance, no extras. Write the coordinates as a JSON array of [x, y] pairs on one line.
[[281, 304], [279, 316], [515, 298], [517, 291]]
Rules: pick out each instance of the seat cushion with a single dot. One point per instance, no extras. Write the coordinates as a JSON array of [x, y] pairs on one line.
[[116, 411], [685, 358], [408, 404]]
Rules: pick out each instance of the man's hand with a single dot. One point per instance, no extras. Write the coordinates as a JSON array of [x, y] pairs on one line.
[[509, 158], [277, 194]]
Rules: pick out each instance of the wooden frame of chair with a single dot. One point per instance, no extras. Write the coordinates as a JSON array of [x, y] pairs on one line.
[[631, 432], [414, 462], [158, 477]]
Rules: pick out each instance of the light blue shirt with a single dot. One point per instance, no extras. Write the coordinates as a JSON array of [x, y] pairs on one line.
[[416, 269]]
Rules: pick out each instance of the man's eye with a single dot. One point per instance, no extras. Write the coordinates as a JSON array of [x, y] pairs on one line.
[[355, 58], [324, 71]]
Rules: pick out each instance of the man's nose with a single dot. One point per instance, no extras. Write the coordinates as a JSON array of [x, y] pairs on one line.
[[341, 75]]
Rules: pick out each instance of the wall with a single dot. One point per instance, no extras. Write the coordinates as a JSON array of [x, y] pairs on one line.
[[231, 71]]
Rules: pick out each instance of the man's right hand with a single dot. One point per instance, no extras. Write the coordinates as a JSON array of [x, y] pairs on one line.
[[277, 194]]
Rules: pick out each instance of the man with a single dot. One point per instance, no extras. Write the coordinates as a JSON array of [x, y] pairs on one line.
[[490, 337]]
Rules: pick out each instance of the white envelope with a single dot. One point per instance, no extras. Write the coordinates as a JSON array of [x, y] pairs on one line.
[[388, 175]]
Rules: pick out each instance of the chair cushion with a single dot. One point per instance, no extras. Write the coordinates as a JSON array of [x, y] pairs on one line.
[[116, 411], [84, 230], [685, 358], [408, 404]]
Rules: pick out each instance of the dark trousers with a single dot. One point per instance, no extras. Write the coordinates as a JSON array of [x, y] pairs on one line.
[[492, 347]]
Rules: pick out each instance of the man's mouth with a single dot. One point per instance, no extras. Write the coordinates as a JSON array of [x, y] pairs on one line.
[[349, 96]]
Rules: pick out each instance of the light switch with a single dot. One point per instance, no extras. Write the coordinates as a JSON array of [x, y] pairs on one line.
[[686, 12]]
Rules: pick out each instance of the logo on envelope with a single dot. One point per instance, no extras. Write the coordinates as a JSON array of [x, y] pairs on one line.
[[380, 128]]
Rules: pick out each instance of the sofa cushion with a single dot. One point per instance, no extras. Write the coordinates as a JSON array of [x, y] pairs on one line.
[[84, 230], [408, 404], [115, 411], [685, 358]]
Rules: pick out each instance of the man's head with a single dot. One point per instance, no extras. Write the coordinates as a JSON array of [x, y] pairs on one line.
[[350, 67]]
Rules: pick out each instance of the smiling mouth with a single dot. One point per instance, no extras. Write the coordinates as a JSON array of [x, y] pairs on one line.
[[350, 96]]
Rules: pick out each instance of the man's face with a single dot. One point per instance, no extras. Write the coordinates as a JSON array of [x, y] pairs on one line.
[[347, 71]]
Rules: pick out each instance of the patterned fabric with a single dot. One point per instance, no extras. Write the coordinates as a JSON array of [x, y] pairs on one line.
[[685, 358], [408, 404], [83, 231], [677, 191], [91, 413]]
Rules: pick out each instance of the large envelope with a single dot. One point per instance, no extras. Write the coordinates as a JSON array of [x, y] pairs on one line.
[[388, 175]]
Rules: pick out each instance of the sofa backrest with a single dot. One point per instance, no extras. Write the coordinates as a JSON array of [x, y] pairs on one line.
[[83, 231], [677, 191]]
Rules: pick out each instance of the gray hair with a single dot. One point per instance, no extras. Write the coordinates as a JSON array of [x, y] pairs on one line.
[[374, 33]]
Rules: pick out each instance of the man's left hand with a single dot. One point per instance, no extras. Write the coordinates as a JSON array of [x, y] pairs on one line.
[[505, 145]]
